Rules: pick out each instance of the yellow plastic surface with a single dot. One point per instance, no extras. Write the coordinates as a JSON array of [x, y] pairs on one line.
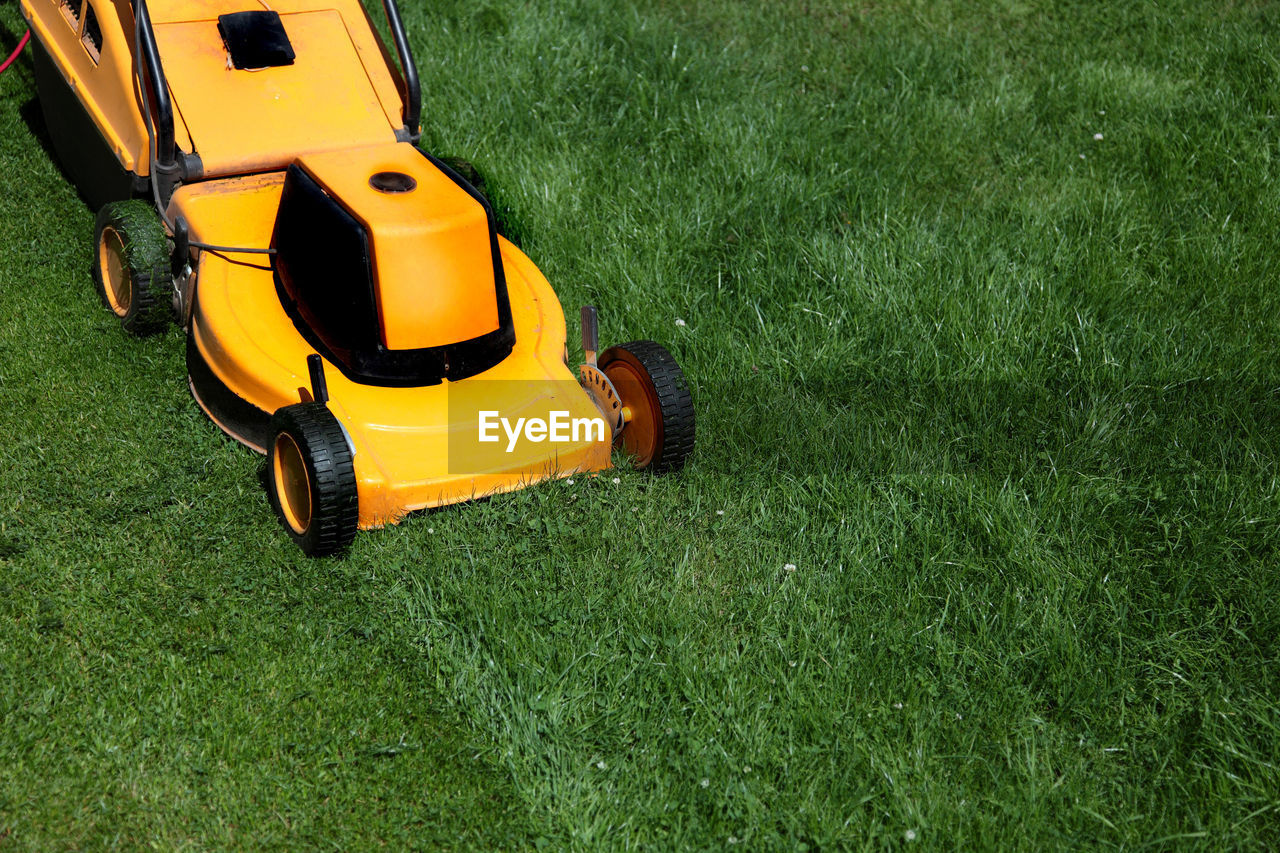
[[431, 252], [401, 435], [105, 86], [245, 121], [360, 31], [339, 92]]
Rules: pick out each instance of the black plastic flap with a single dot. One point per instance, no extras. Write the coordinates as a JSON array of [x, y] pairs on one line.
[[255, 39]]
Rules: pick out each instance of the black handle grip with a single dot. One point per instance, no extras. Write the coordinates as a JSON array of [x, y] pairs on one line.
[[319, 388]]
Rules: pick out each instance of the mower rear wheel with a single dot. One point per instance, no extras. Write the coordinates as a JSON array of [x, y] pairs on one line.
[[131, 266], [659, 431], [311, 479]]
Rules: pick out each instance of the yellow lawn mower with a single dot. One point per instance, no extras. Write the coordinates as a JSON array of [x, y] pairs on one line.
[[350, 309]]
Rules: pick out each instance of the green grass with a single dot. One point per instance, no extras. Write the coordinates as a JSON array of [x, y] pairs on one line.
[[1005, 396]]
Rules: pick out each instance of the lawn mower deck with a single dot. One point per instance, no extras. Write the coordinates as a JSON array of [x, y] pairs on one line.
[[350, 309]]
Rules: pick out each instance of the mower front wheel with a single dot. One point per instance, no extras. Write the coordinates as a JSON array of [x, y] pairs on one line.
[[311, 479], [658, 429], [131, 266]]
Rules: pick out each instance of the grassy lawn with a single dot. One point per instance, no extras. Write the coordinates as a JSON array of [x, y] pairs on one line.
[[982, 316]]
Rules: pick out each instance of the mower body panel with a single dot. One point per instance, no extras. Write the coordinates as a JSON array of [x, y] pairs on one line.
[[247, 359], [339, 91], [85, 81], [251, 121]]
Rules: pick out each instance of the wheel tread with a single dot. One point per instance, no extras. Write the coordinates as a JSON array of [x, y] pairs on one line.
[[335, 501], [674, 401], [147, 254]]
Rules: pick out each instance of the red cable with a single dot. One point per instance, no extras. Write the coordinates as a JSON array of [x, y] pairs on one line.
[[17, 50]]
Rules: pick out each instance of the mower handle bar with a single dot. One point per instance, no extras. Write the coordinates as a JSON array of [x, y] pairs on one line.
[[148, 55], [408, 69], [145, 44]]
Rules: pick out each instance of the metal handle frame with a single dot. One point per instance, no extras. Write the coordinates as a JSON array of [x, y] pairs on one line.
[[408, 69], [156, 88]]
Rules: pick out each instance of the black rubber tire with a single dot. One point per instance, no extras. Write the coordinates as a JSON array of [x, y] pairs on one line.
[[144, 260], [334, 515], [675, 423]]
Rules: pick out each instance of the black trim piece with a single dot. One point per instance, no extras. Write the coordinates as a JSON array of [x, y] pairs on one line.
[[238, 417], [324, 264], [411, 368], [393, 182], [256, 39], [192, 167], [181, 255], [86, 157]]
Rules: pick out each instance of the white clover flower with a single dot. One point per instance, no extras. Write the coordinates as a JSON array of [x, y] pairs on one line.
[[569, 481], [431, 530], [680, 322], [719, 512], [789, 567], [705, 782], [1097, 137], [910, 835], [601, 765], [617, 480]]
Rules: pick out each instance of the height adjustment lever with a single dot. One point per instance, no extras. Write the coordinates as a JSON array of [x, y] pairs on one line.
[[319, 387], [590, 334]]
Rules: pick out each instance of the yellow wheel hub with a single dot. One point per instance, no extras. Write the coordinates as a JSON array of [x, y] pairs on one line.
[[115, 272], [292, 485], [641, 414]]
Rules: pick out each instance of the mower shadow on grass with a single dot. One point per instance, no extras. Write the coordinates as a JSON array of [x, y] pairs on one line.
[[29, 110], [34, 120]]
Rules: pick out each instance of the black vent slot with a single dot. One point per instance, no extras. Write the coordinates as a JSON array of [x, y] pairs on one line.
[[92, 33]]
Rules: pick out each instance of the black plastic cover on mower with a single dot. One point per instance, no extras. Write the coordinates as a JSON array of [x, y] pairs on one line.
[[324, 275]]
